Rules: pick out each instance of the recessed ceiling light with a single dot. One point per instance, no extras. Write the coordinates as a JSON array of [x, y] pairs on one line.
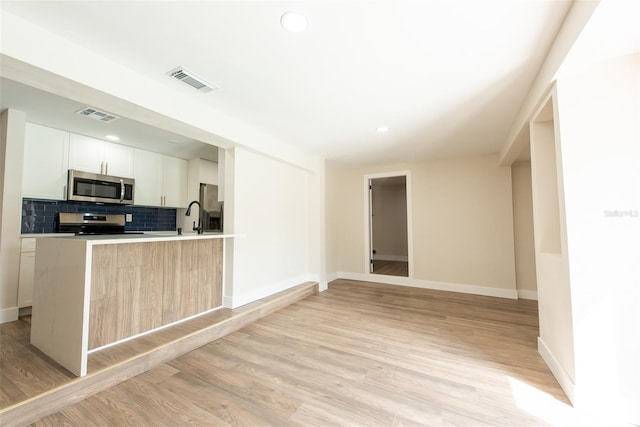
[[112, 138], [382, 129], [294, 22]]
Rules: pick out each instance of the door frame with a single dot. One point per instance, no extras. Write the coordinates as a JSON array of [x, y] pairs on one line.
[[367, 218]]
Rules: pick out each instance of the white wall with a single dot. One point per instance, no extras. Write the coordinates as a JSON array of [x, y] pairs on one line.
[[462, 222], [333, 221], [523, 230], [271, 215], [11, 146], [600, 138]]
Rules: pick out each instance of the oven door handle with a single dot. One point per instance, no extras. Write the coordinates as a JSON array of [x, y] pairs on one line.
[[121, 190]]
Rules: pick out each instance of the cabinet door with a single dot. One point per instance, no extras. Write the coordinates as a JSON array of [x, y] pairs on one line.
[[44, 173], [148, 175], [86, 154], [25, 281], [175, 182], [118, 159]]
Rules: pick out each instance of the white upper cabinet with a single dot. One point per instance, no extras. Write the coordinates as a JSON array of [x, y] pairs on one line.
[[97, 156], [148, 175], [175, 182], [160, 180], [44, 173]]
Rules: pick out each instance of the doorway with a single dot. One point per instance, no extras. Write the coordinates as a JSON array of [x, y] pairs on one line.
[[388, 223]]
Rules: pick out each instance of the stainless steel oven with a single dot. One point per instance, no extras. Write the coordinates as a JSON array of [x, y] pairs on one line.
[[93, 187]]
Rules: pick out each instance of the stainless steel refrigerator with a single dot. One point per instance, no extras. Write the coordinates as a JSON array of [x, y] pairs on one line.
[[212, 208]]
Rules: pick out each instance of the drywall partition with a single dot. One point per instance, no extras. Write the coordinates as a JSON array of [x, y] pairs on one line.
[[599, 126], [526, 281], [552, 270], [271, 216]]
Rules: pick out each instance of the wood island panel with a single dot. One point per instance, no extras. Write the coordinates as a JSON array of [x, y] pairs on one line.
[[137, 287], [193, 278]]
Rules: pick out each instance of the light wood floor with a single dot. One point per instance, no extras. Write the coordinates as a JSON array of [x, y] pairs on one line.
[[24, 370], [391, 268], [360, 354], [33, 386]]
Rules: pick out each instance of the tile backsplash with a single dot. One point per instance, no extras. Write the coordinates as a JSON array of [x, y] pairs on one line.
[[40, 216]]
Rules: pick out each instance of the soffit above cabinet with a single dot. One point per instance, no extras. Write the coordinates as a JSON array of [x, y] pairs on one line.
[[60, 113]]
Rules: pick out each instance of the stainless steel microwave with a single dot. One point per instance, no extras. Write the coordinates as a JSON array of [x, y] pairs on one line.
[[93, 187]]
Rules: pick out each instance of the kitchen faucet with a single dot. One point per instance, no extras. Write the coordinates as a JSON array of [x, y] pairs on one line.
[[199, 228]]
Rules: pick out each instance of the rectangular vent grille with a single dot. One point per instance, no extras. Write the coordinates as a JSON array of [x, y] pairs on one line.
[[97, 114], [192, 79]]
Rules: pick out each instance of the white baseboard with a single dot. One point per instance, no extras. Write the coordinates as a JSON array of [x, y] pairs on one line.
[[323, 286], [333, 276], [236, 301], [9, 314], [403, 258], [227, 302], [427, 284], [525, 294], [565, 381]]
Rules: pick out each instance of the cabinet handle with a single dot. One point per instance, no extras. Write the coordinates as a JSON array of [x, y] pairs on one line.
[[106, 168], [102, 168]]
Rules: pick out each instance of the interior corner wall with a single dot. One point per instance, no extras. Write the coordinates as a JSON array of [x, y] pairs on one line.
[[600, 141], [12, 146], [271, 218], [462, 223], [523, 228]]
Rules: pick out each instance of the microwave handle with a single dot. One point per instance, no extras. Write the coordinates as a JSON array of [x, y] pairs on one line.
[[121, 190]]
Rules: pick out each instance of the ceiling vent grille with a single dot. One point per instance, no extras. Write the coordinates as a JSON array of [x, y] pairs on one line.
[[192, 79], [97, 114]]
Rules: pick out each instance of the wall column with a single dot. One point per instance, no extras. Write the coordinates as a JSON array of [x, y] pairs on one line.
[[11, 160]]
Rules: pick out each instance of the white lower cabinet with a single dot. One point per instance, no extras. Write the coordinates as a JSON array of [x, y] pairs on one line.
[[160, 180], [27, 271]]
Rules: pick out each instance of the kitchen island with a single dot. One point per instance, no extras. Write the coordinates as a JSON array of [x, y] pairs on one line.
[[93, 291]]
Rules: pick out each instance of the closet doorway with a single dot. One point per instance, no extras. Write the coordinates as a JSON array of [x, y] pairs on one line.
[[388, 224]]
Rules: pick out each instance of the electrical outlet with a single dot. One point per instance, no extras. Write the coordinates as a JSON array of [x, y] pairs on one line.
[[129, 218]]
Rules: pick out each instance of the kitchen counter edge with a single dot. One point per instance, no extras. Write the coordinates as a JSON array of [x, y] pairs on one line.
[[142, 238]]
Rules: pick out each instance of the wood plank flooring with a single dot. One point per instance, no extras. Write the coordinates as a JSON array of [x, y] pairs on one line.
[[359, 354], [32, 385]]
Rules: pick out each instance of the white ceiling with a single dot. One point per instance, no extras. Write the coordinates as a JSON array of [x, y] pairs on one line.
[[446, 76]]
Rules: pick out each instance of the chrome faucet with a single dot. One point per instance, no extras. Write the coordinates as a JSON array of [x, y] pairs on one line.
[[199, 228]]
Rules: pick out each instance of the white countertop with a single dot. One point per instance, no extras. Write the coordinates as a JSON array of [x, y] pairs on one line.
[[38, 235], [152, 236]]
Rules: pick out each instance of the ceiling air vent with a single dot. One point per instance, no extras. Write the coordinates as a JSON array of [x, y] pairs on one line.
[[192, 79], [97, 114]]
